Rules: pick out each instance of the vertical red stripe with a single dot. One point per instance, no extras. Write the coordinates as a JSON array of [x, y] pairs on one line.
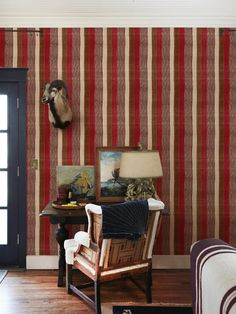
[[204, 133], [46, 144], [114, 86], [159, 89], [136, 85], [159, 121], [69, 80], [181, 138], [226, 137], [92, 93], [2, 48], [24, 49], [159, 101]]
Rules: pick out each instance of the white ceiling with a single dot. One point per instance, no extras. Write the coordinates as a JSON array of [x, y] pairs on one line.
[[120, 13]]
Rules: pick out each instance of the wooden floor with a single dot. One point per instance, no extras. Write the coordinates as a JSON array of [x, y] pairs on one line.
[[37, 292]]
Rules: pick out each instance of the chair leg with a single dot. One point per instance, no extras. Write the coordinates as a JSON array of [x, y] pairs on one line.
[[68, 277], [97, 297], [149, 286]]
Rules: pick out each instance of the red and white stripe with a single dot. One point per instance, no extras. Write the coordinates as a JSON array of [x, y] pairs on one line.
[[171, 89]]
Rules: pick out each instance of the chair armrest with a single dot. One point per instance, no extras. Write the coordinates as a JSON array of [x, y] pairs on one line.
[[73, 245], [83, 238], [96, 209], [155, 204]]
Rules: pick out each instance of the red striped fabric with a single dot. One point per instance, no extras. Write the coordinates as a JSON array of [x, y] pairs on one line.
[[211, 133], [159, 89], [188, 140], [2, 48], [98, 93], [136, 86], [31, 219], [204, 135], [144, 65], [114, 87], [9, 48], [157, 62], [69, 83], [224, 133], [121, 87], [75, 96], [92, 90], [179, 141], [199, 140], [159, 102], [232, 130], [127, 58], [166, 192], [226, 138], [182, 140], [53, 153], [45, 145], [24, 49]]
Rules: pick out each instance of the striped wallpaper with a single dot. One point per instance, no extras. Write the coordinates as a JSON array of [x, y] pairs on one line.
[[171, 89]]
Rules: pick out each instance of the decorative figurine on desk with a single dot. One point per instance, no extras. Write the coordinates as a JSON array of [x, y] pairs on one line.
[[62, 193], [69, 198]]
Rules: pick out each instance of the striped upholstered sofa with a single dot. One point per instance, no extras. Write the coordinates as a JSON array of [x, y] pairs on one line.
[[213, 271]]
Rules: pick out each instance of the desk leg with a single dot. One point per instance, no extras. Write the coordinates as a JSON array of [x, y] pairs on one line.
[[61, 235]]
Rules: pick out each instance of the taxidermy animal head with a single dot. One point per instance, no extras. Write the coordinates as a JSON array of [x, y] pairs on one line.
[[56, 96]]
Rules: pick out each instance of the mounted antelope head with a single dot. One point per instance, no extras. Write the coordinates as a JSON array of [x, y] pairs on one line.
[[56, 96]]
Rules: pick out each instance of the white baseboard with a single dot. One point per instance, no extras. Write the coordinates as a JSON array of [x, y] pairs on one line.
[[41, 262], [158, 262]]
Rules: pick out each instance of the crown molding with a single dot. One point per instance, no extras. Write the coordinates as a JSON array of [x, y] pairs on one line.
[[38, 22], [118, 13]]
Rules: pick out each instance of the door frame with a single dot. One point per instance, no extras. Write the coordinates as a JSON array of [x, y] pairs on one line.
[[19, 76]]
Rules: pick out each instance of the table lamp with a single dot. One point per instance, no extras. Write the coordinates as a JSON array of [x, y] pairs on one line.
[[140, 167]]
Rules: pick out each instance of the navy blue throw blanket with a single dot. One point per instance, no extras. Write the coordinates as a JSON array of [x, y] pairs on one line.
[[125, 220]]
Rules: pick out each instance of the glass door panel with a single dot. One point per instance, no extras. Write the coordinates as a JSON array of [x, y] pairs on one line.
[[7, 163], [4, 150], [3, 188], [3, 169], [3, 226], [3, 112]]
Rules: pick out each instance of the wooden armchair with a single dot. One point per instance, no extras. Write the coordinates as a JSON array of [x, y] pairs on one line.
[[108, 259]]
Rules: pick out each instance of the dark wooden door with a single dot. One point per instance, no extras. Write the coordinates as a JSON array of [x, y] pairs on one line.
[[12, 173]]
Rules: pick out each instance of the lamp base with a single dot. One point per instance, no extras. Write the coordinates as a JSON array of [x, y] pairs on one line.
[[140, 189]]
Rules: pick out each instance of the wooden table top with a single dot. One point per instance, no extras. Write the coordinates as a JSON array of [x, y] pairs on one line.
[[49, 210]]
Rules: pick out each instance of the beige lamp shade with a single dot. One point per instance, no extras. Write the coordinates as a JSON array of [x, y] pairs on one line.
[[140, 164]]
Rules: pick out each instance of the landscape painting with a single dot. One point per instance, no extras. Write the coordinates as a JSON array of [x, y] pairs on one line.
[[109, 186], [79, 179]]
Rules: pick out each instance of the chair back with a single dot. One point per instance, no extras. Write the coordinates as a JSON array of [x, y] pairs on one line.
[[111, 254], [103, 258]]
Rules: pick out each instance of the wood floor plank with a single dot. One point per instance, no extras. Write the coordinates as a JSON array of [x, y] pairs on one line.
[[32, 292]]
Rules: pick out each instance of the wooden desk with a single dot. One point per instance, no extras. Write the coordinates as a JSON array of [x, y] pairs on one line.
[[63, 217]]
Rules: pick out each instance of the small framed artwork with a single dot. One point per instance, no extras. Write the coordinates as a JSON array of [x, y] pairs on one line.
[[79, 179], [109, 186]]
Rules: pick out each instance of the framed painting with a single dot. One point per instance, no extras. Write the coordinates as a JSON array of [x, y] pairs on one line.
[[79, 179], [109, 186]]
